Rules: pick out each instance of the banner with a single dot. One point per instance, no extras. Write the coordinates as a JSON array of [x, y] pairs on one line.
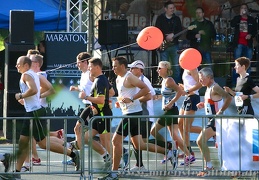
[[238, 144], [61, 52]]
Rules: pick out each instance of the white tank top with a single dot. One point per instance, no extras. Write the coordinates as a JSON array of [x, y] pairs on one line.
[[124, 92], [31, 103], [188, 81], [210, 106], [43, 101], [167, 94], [85, 85]]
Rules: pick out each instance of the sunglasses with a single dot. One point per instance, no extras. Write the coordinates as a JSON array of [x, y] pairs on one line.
[[159, 68]]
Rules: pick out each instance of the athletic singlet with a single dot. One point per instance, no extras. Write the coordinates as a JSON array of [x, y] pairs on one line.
[[43, 101], [31, 103], [85, 85], [43, 73], [148, 106], [124, 92], [188, 81], [210, 106], [167, 94]]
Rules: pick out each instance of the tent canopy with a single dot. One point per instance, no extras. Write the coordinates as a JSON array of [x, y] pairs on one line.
[[49, 15]]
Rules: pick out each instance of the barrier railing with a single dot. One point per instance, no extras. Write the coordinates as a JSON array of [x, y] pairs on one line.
[[223, 168], [50, 169], [244, 146]]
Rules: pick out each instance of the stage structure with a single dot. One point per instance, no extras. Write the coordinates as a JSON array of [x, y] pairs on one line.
[[83, 16]]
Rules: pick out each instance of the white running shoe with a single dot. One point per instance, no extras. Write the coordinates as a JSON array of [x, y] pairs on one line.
[[136, 168]]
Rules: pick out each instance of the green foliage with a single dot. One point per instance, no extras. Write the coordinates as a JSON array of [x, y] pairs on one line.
[[3, 34]]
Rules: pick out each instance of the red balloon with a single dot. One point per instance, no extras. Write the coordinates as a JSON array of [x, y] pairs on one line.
[[150, 38], [190, 59]]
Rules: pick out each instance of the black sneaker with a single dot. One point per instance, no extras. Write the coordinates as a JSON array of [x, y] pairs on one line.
[[76, 160], [7, 161]]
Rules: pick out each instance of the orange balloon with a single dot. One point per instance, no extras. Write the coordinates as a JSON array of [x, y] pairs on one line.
[[150, 38], [190, 59]]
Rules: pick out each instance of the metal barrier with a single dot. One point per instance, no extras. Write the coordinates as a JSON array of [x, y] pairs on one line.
[[152, 160], [50, 169]]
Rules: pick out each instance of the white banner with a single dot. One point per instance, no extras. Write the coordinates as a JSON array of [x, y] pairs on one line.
[[238, 144]]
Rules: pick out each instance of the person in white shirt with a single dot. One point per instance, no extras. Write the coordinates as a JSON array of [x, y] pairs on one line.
[[46, 90], [137, 69], [30, 98], [84, 88], [85, 85], [128, 102]]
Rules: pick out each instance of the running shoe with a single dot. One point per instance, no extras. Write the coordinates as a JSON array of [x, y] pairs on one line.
[[74, 145], [7, 161], [76, 160], [60, 133], [107, 163], [164, 160], [36, 162], [109, 176], [137, 168], [182, 155], [188, 160], [69, 162], [25, 168], [167, 157], [14, 175]]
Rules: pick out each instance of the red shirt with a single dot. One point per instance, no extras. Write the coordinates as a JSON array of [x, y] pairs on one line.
[[243, 31]]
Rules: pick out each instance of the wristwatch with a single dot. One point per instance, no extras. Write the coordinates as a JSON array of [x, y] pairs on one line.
[[131, 98], [187, 91], [20, 95]]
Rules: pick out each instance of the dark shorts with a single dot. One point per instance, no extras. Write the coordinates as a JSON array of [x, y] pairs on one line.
[[130, 125], [190, 102], [86, 114], [168, 121], [211, 124], [39, 130], [145, 127], [101, 125]]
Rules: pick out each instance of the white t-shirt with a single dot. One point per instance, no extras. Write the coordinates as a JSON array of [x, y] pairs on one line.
[[150, 103], [85, 85]]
